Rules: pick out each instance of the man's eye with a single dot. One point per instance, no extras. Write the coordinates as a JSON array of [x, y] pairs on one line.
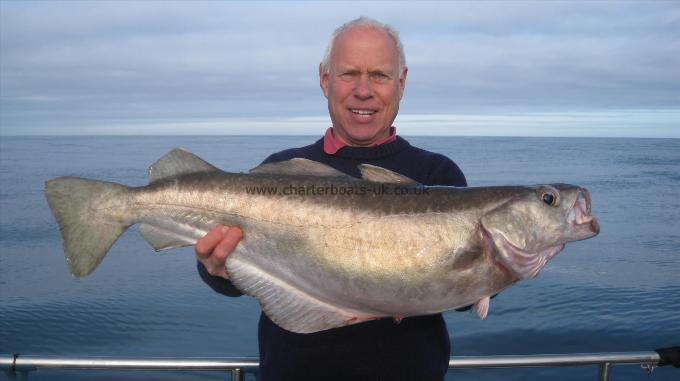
[[347, 76], [379, 77]]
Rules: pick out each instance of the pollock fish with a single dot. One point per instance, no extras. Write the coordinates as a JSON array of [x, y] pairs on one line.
[[322, 249]]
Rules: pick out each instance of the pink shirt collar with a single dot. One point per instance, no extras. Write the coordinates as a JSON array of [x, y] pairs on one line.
[[331, 144]]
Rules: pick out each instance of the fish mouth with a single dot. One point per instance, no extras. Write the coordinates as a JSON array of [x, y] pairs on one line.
[[580, 217], [520, 263]]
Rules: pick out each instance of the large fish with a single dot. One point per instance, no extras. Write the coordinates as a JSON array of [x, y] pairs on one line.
[[324, 250]]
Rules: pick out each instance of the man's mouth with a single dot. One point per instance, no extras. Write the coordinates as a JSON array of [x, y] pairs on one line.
[[362, 112]]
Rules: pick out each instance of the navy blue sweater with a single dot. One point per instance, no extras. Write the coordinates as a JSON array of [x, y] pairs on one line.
[[418, 348]]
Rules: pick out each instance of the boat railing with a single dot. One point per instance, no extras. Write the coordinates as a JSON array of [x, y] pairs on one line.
[[21, 365]]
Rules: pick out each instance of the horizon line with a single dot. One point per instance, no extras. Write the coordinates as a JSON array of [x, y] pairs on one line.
[[320, 135]]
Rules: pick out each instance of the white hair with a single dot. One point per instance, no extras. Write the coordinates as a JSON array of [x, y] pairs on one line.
[[365, 22]]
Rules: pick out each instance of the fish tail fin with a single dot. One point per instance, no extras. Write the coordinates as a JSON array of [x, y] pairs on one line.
[[83, 209]]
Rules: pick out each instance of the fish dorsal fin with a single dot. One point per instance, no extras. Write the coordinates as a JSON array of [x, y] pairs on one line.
[[381, 175], [298, 166], [178, 162]]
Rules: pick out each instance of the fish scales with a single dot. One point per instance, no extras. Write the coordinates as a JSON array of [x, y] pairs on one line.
[[342, 226]]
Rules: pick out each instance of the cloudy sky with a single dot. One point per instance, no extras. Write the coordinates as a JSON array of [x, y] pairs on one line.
[[513, 68]]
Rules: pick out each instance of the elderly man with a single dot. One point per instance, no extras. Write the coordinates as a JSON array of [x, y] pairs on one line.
[[363, 76]]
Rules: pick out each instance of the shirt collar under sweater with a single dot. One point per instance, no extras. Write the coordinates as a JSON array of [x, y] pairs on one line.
[[331, 144], [369, 153]]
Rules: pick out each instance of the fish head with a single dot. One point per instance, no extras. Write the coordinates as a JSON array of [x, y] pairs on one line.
[[534, 224]]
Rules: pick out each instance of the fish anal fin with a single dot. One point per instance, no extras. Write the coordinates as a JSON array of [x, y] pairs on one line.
[[290, 308], [178, 162], [161, 239], [481, 307], [298, 166]]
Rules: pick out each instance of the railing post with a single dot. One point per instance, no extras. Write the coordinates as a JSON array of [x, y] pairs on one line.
[[605, 372], [238, 374]]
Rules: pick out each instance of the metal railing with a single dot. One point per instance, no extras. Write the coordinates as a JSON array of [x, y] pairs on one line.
[[15, 364]]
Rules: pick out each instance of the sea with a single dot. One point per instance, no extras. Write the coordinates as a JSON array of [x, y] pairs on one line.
[[617, 292]]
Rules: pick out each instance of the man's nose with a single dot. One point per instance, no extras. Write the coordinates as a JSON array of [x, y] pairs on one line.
[[363, 89]]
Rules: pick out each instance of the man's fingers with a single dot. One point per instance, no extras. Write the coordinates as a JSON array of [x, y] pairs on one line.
[[212, 250], [227, 244], [205, 246]]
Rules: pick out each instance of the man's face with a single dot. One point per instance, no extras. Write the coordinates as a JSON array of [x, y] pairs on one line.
[[363, 86]]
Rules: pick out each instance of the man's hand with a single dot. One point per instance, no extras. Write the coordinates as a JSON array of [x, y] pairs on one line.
[[212, 250]]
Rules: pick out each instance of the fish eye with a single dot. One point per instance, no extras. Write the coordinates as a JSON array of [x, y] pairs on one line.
[[549, 195], [548, 199]]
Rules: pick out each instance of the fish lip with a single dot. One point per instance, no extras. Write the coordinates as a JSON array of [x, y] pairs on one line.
[[580, 215]]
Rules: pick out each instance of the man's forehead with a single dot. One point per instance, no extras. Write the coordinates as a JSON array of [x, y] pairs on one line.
[[362, 47], [344, 66]]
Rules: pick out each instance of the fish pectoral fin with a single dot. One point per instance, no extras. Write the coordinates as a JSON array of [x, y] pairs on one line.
[[299, 166], [178, 162], [381, 175], [162, 239], [481, 307], [289, 307]]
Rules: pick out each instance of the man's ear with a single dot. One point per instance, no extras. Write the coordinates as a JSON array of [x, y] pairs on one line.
[[402, 82], [323, 81]]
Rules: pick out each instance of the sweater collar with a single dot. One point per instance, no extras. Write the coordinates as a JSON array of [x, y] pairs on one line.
[[331, 144]]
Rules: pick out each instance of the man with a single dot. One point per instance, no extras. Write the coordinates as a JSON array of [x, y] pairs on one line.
[[363, 76]]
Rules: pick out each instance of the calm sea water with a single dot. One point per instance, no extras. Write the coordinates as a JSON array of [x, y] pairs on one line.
[[617, 292]]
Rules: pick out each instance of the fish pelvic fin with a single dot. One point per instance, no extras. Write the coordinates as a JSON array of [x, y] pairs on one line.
[[87, 228], [481, 307], [178, 162]]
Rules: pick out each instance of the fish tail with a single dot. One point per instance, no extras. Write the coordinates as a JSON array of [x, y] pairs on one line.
[[85, 211]]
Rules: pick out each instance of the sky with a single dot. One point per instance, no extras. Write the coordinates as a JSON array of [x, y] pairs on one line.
[[483, 68]]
